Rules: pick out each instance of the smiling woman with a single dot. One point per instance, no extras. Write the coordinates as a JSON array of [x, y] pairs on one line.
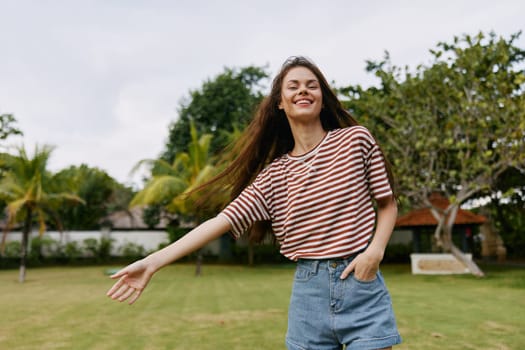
[[307, 173]]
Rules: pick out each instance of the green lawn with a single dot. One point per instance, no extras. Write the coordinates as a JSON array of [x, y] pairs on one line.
[[235, 307]]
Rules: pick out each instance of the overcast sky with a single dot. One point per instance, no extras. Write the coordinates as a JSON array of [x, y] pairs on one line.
[[101, 79]]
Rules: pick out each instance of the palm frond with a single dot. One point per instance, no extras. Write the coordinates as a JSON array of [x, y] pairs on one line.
[[64, 196], [159, 190], [10, 188], [203, 176], [155, 166], [13, 208], [41, 215]]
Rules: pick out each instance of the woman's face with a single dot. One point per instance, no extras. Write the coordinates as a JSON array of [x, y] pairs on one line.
[[301, 95]]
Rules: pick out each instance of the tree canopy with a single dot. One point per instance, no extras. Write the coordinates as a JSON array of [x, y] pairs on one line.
[[171, 185], [100, 192], [221, 104], [6, 126], [452, 127]]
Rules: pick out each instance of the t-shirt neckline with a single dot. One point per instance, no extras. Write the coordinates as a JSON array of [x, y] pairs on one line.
[[311, 152]]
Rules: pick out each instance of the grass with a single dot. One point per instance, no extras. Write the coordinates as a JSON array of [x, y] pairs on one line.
[[235, 307]]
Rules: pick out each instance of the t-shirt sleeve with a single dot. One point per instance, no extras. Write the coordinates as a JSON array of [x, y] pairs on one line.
[[375, 170], [249, 207]]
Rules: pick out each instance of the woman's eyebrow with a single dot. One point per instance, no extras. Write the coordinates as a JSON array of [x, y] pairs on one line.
[[295, 81]]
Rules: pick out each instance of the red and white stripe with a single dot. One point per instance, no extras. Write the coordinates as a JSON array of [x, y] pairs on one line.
[[320, 204]]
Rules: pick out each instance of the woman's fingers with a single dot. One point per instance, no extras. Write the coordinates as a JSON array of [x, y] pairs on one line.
[[116, 286], [348, 270], [119, 292], [126, 295], [122, 291], [135, 296], [119, 274], [132, 280]]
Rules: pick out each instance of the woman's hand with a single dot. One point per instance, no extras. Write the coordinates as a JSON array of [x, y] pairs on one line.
[[135, 277], [132, 281], [364, 265]]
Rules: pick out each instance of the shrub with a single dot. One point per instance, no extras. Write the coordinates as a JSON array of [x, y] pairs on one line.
[[99, 249], [104, 252], [132, 250], [13, 249], [91, 247], [43, 246], [72, 251], [174, 233]]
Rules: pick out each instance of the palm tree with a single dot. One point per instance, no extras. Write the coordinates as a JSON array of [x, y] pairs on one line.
[[172, 185], [30, 192]]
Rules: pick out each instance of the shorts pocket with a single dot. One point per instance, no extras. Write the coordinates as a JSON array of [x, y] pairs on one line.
[[364, 282], [365, 296]]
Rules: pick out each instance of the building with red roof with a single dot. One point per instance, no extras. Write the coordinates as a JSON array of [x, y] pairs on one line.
[[423, 224]]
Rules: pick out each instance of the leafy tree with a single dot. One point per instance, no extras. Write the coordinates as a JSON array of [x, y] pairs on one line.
[[171, 185], [31, 193], [152, 215], [222, 103], [6, 126], [100, 192], [7, 129], [453, 127]]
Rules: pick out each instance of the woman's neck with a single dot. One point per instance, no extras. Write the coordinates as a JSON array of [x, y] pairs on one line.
[[306, 137]]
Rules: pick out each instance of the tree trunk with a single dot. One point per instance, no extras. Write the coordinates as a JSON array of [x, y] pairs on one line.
[[472, 266], [443, 235], [250, 254], [4, 237], [25, 246], [198, 266], [449, 245]]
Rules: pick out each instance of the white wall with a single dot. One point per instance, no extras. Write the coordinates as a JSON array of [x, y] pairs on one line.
[[150, 240]]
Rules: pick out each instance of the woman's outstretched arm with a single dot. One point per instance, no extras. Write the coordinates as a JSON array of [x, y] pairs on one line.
[[135, 277]]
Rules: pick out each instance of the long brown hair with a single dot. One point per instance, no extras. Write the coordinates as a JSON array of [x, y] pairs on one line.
[[269, 136]]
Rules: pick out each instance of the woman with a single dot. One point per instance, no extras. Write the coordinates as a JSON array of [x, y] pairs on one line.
[[308, 173]]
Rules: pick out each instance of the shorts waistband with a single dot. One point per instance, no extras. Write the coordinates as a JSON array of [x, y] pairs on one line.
[[335, 259]]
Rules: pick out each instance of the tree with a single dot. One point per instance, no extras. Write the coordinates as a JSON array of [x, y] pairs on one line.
[[6, 126], [7, 129], [172, 185], [453, 127], [100, 192], [222, 103], [31, 192]]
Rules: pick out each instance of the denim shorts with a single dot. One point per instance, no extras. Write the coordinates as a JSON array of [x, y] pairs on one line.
[[326, 312]]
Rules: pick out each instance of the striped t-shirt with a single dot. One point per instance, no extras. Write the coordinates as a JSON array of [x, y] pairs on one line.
[[320, 203]]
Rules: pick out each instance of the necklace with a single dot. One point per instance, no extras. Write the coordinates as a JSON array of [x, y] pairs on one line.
[[309, 157], [311, 150]]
